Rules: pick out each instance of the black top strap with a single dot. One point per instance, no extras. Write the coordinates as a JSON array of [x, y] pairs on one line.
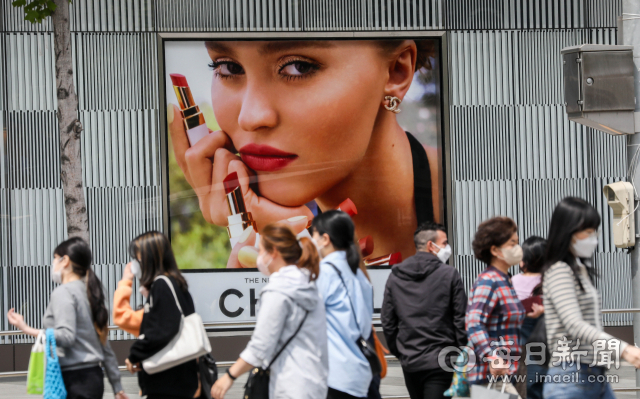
[[353, 310], [306, 313], [422, 191]]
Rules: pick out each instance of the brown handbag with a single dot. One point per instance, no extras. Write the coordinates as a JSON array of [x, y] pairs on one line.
[[381, 351]]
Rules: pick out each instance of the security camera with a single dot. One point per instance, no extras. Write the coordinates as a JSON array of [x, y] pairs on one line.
[[621, 200]]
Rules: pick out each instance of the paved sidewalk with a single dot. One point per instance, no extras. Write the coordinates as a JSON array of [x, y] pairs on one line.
[[392, 385], [14, 387]]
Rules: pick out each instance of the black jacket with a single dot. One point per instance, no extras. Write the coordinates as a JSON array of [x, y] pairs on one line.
[[160, 323], [423, 311]]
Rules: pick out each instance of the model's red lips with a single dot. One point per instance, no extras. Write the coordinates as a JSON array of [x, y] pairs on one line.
[[264, 158]]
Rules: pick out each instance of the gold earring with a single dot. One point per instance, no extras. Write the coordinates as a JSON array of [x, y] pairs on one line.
[[394, 103]]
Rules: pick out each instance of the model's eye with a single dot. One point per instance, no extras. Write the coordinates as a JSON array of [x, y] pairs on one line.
[[298, 68], [231, 68], [226, 68]]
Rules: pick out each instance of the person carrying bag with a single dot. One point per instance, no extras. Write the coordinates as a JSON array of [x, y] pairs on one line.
[[171, 334], [76, 318], [287, 354], [129, 320], [348, 301]]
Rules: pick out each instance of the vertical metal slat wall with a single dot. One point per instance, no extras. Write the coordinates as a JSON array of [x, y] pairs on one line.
[[513, 151]]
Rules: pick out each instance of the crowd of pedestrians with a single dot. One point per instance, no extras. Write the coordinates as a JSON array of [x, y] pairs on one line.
[[314, 336]]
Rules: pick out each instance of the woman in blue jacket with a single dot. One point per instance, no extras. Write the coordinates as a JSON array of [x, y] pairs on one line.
[[342, 285]]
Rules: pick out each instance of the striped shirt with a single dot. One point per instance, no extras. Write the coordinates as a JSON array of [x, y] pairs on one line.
[[573, 318], [493, 321]]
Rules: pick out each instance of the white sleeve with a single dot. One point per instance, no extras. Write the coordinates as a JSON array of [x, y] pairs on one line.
[[273, 313]]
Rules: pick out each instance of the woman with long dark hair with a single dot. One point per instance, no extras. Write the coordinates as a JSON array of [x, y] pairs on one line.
[[161, 319], [290, 336], [348, 301], [79, 317], [572, 307]]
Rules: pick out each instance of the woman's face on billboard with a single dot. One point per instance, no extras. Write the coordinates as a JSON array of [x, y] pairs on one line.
[[300, 113]]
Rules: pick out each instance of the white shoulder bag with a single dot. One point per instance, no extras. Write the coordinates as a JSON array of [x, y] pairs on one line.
[[190, 343]]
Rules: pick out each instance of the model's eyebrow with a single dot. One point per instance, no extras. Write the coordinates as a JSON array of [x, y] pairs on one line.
[[279, 46], [220, 47], [272, 46]]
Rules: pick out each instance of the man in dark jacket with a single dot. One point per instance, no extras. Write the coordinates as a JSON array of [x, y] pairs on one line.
[[423, 312]]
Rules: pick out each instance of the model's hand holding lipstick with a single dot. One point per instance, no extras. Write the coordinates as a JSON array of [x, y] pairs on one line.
[[207, 163], [221, 179]]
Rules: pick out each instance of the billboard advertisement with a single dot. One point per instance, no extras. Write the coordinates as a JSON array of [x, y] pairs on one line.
[[280, 130]]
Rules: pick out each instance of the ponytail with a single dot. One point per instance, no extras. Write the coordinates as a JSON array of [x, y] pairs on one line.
[[353, 256], [303, 253], [309, 259], [96, 302], [341, 231], [79, 254]]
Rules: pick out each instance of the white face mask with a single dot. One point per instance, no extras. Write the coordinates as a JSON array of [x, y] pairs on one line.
[[136, 269], [263, 267], [584, 248], [513, 255], [318, 247], [444, 253], [56, 276]]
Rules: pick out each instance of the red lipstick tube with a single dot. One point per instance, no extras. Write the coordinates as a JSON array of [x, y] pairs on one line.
[[347, 206], [193, 119], [366, 246], [240, 219], [390, 259]]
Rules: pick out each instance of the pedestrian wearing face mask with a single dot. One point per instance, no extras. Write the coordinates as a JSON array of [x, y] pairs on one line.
[[124, 316], [79, 317], [423, 312], [290, 336], [494, 312], [167, 301], [572, 307], [348, 301]]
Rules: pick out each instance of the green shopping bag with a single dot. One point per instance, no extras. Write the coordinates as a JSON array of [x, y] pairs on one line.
[[37, 366]]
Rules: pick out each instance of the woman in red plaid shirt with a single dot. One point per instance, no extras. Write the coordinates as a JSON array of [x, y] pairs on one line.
[[494, 312]]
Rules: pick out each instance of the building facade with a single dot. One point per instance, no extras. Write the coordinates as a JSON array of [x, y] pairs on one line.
[[512, 150]]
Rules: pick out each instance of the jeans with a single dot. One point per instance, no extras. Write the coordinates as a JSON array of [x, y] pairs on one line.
[[535, 383], [527, 328], [571, 383], [427, 384], [84, 383]]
